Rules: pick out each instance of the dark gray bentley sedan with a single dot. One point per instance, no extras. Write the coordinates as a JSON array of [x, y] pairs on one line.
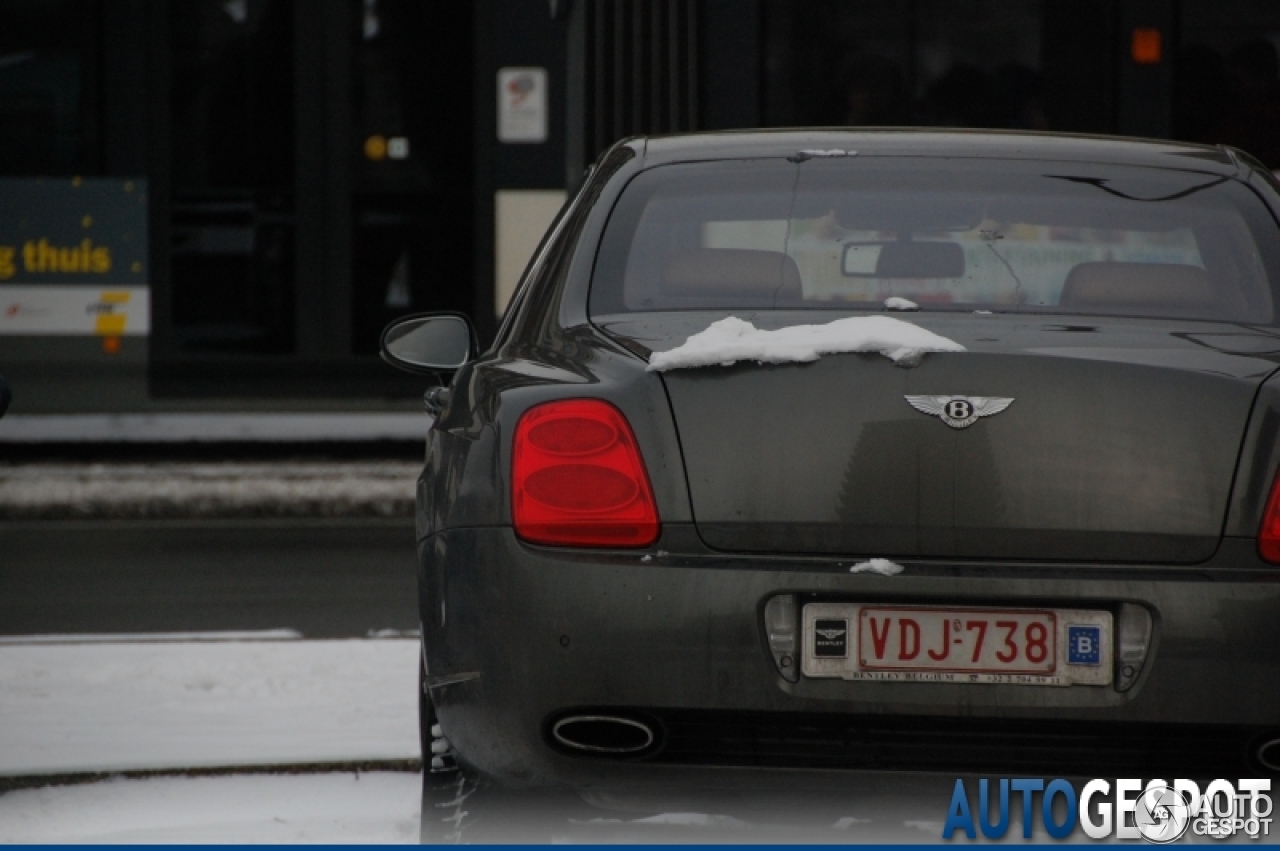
[[866, 451]]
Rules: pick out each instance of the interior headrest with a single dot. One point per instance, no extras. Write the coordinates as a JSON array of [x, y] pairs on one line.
[[1135, 286], [736, 272]]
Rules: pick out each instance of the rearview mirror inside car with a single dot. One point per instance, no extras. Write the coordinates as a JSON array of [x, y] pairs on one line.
[[433, 342], [903, 259]]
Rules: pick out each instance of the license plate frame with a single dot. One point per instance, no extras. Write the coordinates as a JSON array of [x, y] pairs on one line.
[[1082, 642]]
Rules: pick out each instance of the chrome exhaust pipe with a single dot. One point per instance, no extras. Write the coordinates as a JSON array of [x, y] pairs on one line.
[[1268, 755], [604, 734]]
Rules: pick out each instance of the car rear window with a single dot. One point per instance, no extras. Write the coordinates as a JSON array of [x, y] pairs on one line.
[[966, 234]]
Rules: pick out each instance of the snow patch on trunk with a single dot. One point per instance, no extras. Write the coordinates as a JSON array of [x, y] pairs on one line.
[[877, 565], [732, 339]]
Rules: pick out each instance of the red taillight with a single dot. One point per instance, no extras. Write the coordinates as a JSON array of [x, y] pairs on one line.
[[1269, 534], [577, 478]]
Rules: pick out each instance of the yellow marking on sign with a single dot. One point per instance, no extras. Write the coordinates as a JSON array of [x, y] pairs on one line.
[[109, 324], [115, 297]]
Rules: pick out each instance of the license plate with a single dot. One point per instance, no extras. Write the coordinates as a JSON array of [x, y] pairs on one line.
[[957, 644]]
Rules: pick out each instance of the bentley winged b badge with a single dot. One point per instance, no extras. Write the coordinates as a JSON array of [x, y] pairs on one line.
[[959, 411]]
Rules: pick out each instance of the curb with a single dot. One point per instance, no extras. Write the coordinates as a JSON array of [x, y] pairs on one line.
[[39, 781]]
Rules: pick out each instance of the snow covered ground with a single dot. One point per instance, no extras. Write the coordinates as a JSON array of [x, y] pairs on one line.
[[210, 427], [49, 490], [74, 704], [107, 706], [375, 807], [78, 704], [383, 807]]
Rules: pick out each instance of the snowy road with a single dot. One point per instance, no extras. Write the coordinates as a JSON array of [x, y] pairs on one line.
[[114, 706], [383, 807], [103, 704], [51, 490], [377, 807], [84, 704], [78, 704]]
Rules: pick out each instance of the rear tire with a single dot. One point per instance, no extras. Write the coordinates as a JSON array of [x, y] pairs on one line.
[[445, 808], [458, 809], [461, 808], [443, 788], [426, 718]]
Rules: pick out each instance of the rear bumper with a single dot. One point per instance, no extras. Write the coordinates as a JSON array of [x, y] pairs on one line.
[[678, 640]]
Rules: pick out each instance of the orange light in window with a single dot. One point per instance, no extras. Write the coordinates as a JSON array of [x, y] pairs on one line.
[[111, 345], [1146, 48], [375, 148]]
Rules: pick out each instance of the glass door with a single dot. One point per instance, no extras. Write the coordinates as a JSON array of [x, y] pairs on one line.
[[411, 206], [319, 185], [232, 176]]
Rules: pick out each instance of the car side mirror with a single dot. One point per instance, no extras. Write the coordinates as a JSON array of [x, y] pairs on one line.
[[431, 342]]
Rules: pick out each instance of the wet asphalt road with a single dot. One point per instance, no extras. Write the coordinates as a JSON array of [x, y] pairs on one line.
[[325, 577]]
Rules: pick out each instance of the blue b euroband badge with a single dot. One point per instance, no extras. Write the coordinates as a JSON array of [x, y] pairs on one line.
[[1084, 645]]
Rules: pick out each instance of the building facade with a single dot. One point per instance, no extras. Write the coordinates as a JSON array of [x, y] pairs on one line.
[[218, 204]]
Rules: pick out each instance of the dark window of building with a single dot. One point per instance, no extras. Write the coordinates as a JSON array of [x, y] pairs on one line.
[[412, 162], [947, 63], [1013, 64], [231, 108], [1227, 87], [47, 87]]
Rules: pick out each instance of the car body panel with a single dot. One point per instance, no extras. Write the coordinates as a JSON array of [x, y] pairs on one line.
[[1100, 456], [870, 142], [550, 630], [1259, 463], [465, 481]]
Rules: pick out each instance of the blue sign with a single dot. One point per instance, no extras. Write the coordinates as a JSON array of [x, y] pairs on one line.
[[1084, 645], [75, 230]]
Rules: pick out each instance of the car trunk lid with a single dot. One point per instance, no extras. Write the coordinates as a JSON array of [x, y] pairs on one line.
[[1120, 443]]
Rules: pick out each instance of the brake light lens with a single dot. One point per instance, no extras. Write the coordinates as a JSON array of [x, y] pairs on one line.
[[1269, 534], [578, 480]]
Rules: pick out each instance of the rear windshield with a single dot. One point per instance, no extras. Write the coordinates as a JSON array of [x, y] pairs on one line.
[[850, 233]]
